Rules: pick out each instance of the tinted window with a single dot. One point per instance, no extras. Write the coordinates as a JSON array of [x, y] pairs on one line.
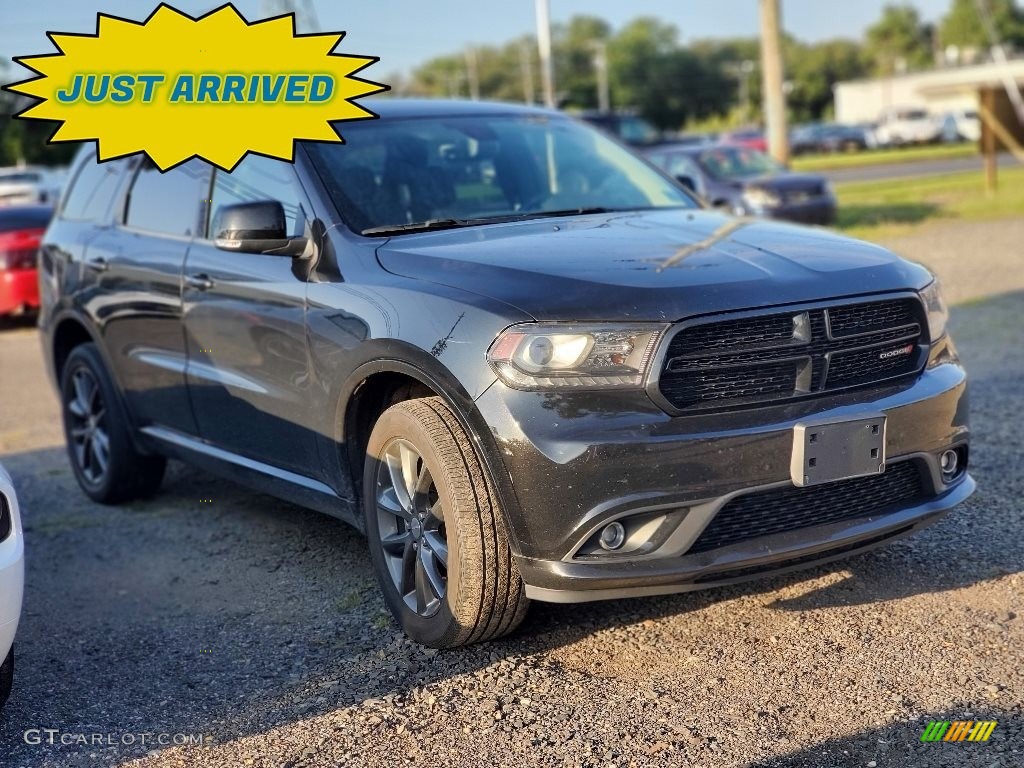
[[14, 178], [167, 203], [259, 178], [93, 190]]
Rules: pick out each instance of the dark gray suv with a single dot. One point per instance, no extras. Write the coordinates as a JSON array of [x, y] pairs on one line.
[[526, 363]]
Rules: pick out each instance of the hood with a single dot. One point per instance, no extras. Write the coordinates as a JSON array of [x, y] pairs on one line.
[[650, 265]]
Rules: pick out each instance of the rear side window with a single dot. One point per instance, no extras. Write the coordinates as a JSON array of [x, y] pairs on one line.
[[256, 179], [166, 203], [92, 192]]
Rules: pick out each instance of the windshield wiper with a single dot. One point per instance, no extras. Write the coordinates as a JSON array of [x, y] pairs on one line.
[[420, 226], [432, 224]]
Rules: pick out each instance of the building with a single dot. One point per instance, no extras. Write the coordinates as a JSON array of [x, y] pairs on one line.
[[938, 91]]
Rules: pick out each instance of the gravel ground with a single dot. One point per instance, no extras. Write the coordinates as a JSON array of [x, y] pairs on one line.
[[258, 625]]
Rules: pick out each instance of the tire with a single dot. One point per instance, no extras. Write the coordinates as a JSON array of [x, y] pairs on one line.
[[97, 434], [6, 677], [444, 567]]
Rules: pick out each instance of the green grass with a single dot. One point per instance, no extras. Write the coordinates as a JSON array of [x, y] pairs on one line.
[[877, 209], [838, 161]]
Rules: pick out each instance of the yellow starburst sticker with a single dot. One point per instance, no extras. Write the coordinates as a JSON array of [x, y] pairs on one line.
[[214, 87]]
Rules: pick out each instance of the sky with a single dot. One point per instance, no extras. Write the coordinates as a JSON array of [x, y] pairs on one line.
[[404, 33]]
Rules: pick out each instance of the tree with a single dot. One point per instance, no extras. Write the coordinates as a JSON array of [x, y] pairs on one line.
[[574, 47], [898, 40], [962, 26], [815, 69]]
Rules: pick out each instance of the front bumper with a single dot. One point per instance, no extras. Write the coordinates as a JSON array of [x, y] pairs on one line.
[[577, 461]]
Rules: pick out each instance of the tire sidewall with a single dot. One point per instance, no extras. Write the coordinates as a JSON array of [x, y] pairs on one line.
[[86, 357], [443, 625]]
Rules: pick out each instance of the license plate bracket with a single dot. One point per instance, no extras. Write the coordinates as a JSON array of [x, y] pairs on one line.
[[826, 451]]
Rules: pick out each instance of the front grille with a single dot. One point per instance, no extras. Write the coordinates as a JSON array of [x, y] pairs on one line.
[[796, 353], [789, 509]]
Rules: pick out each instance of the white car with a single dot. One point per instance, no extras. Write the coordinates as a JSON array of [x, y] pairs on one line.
[[27, 185], [906, 126], [961, 125], [12, 579]]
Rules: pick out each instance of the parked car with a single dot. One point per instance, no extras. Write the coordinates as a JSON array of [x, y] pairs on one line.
[[560, 380], [748, 183], [627, 127], [960, 125], [21, 229], [28, 185], [12, 580], [898, 127], [827, 137], [751, 138]]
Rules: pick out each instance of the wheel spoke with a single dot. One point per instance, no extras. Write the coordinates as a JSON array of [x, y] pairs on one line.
[[393, 460], [423, 595], [387, 501], [101, 449], [407, 585], [434, 580], [410, 473], [79, 433], [438, 546], [395, 543]]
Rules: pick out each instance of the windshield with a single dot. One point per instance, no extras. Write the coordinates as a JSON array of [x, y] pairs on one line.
[[736, 162], [400, 172]]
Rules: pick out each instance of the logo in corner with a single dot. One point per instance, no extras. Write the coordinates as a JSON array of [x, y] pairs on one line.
[[958, 730], [177, 87]]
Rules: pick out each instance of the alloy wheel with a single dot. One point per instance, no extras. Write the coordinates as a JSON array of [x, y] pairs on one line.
[[410, 521], [87, 426]]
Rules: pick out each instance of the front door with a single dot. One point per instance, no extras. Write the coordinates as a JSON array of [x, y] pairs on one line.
[[248, 369]]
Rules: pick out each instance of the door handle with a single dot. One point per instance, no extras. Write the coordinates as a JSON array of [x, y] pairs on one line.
[[200, 282], [98, 264]]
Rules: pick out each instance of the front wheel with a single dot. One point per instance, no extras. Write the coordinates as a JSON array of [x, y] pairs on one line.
[[436, 533]]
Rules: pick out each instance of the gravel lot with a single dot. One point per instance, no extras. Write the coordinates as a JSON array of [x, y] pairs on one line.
[[258, 625]]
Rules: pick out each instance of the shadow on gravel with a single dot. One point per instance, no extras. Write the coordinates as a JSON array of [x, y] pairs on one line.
[[18, 323], [900, 744]]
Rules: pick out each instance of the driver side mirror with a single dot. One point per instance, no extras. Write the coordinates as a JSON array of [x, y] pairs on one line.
[[258, 227], [687, 181]]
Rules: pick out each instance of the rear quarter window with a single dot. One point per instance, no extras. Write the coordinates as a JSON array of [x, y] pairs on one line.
[[93, 190]]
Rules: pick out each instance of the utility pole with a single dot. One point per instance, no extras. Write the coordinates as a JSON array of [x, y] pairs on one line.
[[771, 70], [604, 101], [547, 74], [526, 65], [472, 74]]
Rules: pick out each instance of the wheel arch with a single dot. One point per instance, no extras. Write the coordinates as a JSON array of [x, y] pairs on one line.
[[358, 401]]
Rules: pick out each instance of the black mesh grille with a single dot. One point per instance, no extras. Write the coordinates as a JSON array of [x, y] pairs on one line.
[[790, 509], [796, 353]]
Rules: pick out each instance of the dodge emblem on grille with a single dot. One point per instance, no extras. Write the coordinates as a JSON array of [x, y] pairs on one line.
[[905, 350]]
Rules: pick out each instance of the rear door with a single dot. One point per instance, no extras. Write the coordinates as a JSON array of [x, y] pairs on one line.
[[137, 297], [249, 372]]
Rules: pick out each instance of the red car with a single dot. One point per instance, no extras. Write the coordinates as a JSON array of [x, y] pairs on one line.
[[752, 138], [21, 229]]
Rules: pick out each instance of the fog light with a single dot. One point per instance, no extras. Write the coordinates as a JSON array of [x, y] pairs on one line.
[[613, 536], [950, 462]]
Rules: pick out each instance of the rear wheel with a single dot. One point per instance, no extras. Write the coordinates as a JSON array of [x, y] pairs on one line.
[[6, 677], [106, 464], [436, 534]]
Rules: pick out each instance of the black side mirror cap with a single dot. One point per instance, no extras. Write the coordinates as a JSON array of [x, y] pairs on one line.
[[257, 227], [687, 181]]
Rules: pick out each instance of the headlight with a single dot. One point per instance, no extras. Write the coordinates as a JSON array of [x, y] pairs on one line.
[[760, 198], [936, 309], [532, 356]]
